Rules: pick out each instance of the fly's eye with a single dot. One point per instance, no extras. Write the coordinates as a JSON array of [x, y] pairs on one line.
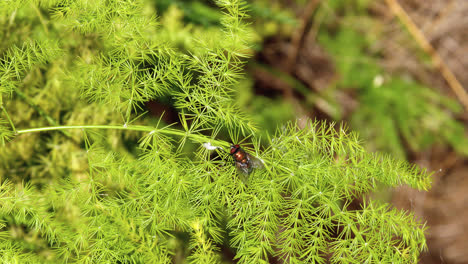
[[234, 148]]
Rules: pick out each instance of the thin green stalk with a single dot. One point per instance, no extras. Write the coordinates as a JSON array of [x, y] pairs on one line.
[[9, 119], [168, 131], [129, 108], [41, 18]]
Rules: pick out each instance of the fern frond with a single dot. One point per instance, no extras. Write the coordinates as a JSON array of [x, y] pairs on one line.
[[16, 61]]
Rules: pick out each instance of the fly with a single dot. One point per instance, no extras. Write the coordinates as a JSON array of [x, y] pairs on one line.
[[244, 162]]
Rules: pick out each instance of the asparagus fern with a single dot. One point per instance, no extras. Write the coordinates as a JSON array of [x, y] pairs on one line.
[[118, 187]]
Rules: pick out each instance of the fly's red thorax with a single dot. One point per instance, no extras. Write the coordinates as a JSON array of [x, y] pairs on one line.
[[238, 154]]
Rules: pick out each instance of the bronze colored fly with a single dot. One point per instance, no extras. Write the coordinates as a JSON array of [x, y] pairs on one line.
[[244, 162]]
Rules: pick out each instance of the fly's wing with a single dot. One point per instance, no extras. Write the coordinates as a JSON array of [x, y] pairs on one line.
[[255, 162], [243, 168]]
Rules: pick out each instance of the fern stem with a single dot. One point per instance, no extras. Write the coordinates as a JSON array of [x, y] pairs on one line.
[[168, 131], [41, 18]]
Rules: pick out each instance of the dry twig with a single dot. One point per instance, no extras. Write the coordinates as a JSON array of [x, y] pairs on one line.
[[299, 33], [428, 48]]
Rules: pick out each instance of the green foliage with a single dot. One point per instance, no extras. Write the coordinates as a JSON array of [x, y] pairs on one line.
[[271, 18], [127, 210], [5, 132], [393, 110], [196, 12], [18, 60], [90, 194]]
